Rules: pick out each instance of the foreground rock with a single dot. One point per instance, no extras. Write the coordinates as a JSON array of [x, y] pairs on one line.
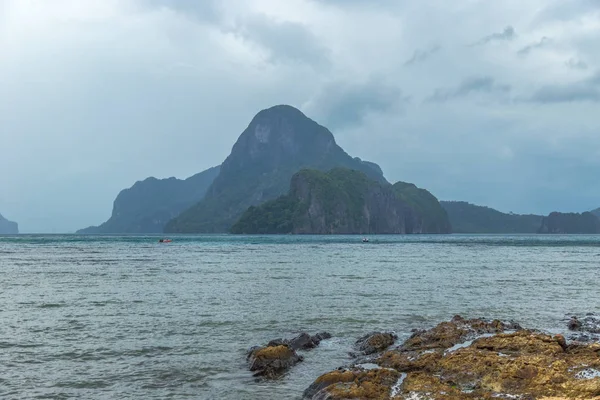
[[272, 361], [590, 323], [354, 384], [375, 342], [472, 359], [303, 341], [586, 329], [280, 354]]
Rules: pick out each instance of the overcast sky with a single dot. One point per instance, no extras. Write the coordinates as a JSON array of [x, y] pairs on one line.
[[492, 102]]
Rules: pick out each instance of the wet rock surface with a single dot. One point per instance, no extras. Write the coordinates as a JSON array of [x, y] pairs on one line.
[[585, 329], [272, 361], [375, 342], [458, 330], [472, 359], [303, 341], [280, 355], [353, 384]]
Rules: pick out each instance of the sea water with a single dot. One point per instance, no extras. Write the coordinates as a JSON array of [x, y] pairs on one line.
[[130, 318]]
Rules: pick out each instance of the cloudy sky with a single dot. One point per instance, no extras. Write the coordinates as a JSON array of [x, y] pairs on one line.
[[493, 102]]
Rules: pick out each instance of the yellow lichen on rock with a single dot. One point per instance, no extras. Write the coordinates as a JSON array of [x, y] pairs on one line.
[[336, 377], [373, 384], [274, 352], [523, 364], [410, 361]]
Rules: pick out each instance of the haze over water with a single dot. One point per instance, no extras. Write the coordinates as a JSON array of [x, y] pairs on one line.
[[127, 317]]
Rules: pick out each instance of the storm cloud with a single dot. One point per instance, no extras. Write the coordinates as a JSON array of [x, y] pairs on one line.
[[508, 33], [343, 104], [544, 42], [422, 55], [575, 63], [284, 41], [584, 90], [478, 84], [97, 94]]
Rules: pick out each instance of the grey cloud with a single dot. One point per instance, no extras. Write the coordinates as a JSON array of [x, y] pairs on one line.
[[422, 55], [568, 10], [587, 90], [286, 41], [164, 87], [594, 79], [346, 3], [508, 33], [343, 104], [545, 41], [566, 94], [204, 10], [575, 63], [480, 84]]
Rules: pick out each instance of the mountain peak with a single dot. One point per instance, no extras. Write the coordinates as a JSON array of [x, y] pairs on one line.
[[279, 135], [282, 110], [278, 142]]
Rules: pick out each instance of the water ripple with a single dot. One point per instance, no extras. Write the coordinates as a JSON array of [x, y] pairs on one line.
[[123, 317]]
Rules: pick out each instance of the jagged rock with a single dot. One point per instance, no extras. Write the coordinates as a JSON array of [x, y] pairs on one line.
[[353, 384], [472, 359], [458, 330], [303, 341], [279, 355], [272, 361], [587, 328], [375, 342], [590, 324], [574, 324]]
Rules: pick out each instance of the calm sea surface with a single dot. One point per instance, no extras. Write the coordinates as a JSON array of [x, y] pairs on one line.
[[129, 318]]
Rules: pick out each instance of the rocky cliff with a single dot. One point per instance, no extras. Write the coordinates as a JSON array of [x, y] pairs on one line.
[[343, 201], [470, 218], [148, 205], [569, 223], [8, 227], [433, 218], [278, 142]]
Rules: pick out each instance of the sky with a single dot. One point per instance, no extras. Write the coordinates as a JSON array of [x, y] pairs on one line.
[[492, 102]]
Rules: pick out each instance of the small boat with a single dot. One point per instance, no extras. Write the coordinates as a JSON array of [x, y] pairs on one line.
[[164, 241], [365, 240]]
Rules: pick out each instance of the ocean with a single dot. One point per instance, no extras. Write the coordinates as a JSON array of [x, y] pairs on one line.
[[126, 317]]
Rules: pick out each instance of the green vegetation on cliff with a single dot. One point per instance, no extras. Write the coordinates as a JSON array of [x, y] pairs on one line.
[[570, 223], [345, 201], [426, 205], [273, 217], [279, 142], [469, 218]]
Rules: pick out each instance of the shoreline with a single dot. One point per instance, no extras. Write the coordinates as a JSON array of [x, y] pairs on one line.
[[457, 359]]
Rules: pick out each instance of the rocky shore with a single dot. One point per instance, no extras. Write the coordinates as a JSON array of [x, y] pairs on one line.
[[279, 355], [455, 360]]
